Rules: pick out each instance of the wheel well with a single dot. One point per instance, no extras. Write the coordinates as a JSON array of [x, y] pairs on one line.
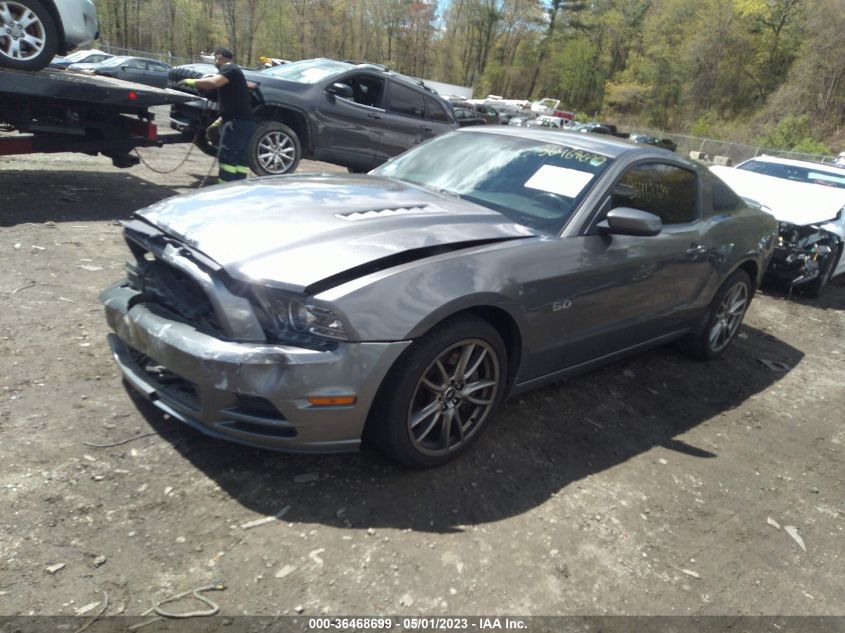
[[60, 29], [750, 267], [504, 325], [508, 330], [294, 120]]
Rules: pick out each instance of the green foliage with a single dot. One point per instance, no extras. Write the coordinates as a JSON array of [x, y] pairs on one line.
[[685, 65], [706, 125], [794, 132]]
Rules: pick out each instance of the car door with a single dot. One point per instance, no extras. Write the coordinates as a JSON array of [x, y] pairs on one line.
[[157, 74], [349, 130], [134, 70], [635, 289], [404, 119], [411, 116]]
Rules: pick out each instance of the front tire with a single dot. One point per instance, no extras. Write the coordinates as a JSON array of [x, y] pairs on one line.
[[720, 324], [440, 394], [274, 149], [28, 36]]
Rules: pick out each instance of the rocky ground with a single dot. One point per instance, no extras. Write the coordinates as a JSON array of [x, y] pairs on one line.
[[658, 485]]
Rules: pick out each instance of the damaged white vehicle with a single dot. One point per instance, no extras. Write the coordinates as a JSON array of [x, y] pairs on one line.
[[808, 200]]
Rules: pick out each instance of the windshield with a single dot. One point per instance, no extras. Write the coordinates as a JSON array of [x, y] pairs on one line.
[[535, 183], [799, 173], [308, 71]]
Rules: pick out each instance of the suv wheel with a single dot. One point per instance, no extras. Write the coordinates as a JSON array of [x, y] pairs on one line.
[[28, 35], [274, 149]]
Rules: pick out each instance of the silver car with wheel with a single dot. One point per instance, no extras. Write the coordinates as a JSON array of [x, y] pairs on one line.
[[307, 313], [32, 32]]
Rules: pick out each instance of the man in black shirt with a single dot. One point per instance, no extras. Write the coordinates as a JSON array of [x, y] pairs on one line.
[[236, 122]]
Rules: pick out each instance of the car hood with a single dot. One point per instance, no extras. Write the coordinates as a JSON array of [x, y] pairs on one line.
[[793, 202], [293, 231]]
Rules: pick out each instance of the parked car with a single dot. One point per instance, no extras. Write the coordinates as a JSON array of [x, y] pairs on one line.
[[808, 200], [648, 139], [136, 69], [486, 113], [353, 115], [88, 56], [32, 32], [305, 312], [465, 117], [545, 120], [507, 112]]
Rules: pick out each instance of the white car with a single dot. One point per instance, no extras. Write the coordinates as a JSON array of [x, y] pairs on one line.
[[32, 32], [808, 200]]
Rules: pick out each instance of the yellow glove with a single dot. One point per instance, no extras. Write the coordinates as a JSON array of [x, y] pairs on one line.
[[212, 132]]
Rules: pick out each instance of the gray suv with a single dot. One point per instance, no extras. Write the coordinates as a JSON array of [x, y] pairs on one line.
[[353, 115]]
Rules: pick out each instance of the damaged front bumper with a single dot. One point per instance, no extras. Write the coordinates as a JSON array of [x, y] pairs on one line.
[[252, 393], [803, 254]]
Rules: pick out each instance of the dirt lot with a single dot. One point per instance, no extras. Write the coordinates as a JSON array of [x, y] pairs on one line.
[[658, 485]]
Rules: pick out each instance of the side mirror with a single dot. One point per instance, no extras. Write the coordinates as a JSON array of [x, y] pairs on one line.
[[340, 90], [628, 221]]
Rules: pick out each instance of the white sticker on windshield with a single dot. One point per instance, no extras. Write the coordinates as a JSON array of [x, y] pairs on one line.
[[560, 180]]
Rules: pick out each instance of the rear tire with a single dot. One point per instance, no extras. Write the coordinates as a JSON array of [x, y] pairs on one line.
[[203, 145], [29, 38], [720, 324], [274, 149], [439, 395]]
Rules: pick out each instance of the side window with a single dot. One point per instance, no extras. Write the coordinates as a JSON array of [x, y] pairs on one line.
[[366, 90], [435, 111], [724, 198], [405, 100], [665, 190], [137, 64]]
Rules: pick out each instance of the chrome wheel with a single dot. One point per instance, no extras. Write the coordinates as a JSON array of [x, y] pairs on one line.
[[276, 153], [23, 36], [728, 317], [453, 397]]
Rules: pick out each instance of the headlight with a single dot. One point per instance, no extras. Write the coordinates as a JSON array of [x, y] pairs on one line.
[[289, 317]]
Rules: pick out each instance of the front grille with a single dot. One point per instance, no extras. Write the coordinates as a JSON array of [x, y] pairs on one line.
[[174, 290]]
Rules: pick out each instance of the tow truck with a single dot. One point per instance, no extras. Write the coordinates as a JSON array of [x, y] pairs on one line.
[[60, 111]]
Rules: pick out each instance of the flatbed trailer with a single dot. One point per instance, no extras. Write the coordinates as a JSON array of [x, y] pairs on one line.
[[61, 111]]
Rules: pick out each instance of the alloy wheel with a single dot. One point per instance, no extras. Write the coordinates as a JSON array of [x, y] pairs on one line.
[[728, 317], [276, 152], [453, 397], [22, 34]]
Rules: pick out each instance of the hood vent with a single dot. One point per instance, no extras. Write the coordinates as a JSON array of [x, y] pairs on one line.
[[389, 212]]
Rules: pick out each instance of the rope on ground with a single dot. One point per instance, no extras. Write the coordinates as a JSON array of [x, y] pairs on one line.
[[127, 440], [213, 607], [98, 616]]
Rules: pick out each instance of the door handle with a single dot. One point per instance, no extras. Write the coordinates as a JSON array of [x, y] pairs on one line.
[[377, 117], [697, 249], [425, 128]]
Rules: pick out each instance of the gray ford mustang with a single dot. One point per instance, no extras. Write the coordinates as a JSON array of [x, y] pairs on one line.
[[306, 312]]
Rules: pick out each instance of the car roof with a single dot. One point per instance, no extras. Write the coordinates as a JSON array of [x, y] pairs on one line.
[[797, 163], [609, 146]]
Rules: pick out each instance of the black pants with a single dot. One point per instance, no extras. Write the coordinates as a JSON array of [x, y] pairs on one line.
[[234, 142]]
